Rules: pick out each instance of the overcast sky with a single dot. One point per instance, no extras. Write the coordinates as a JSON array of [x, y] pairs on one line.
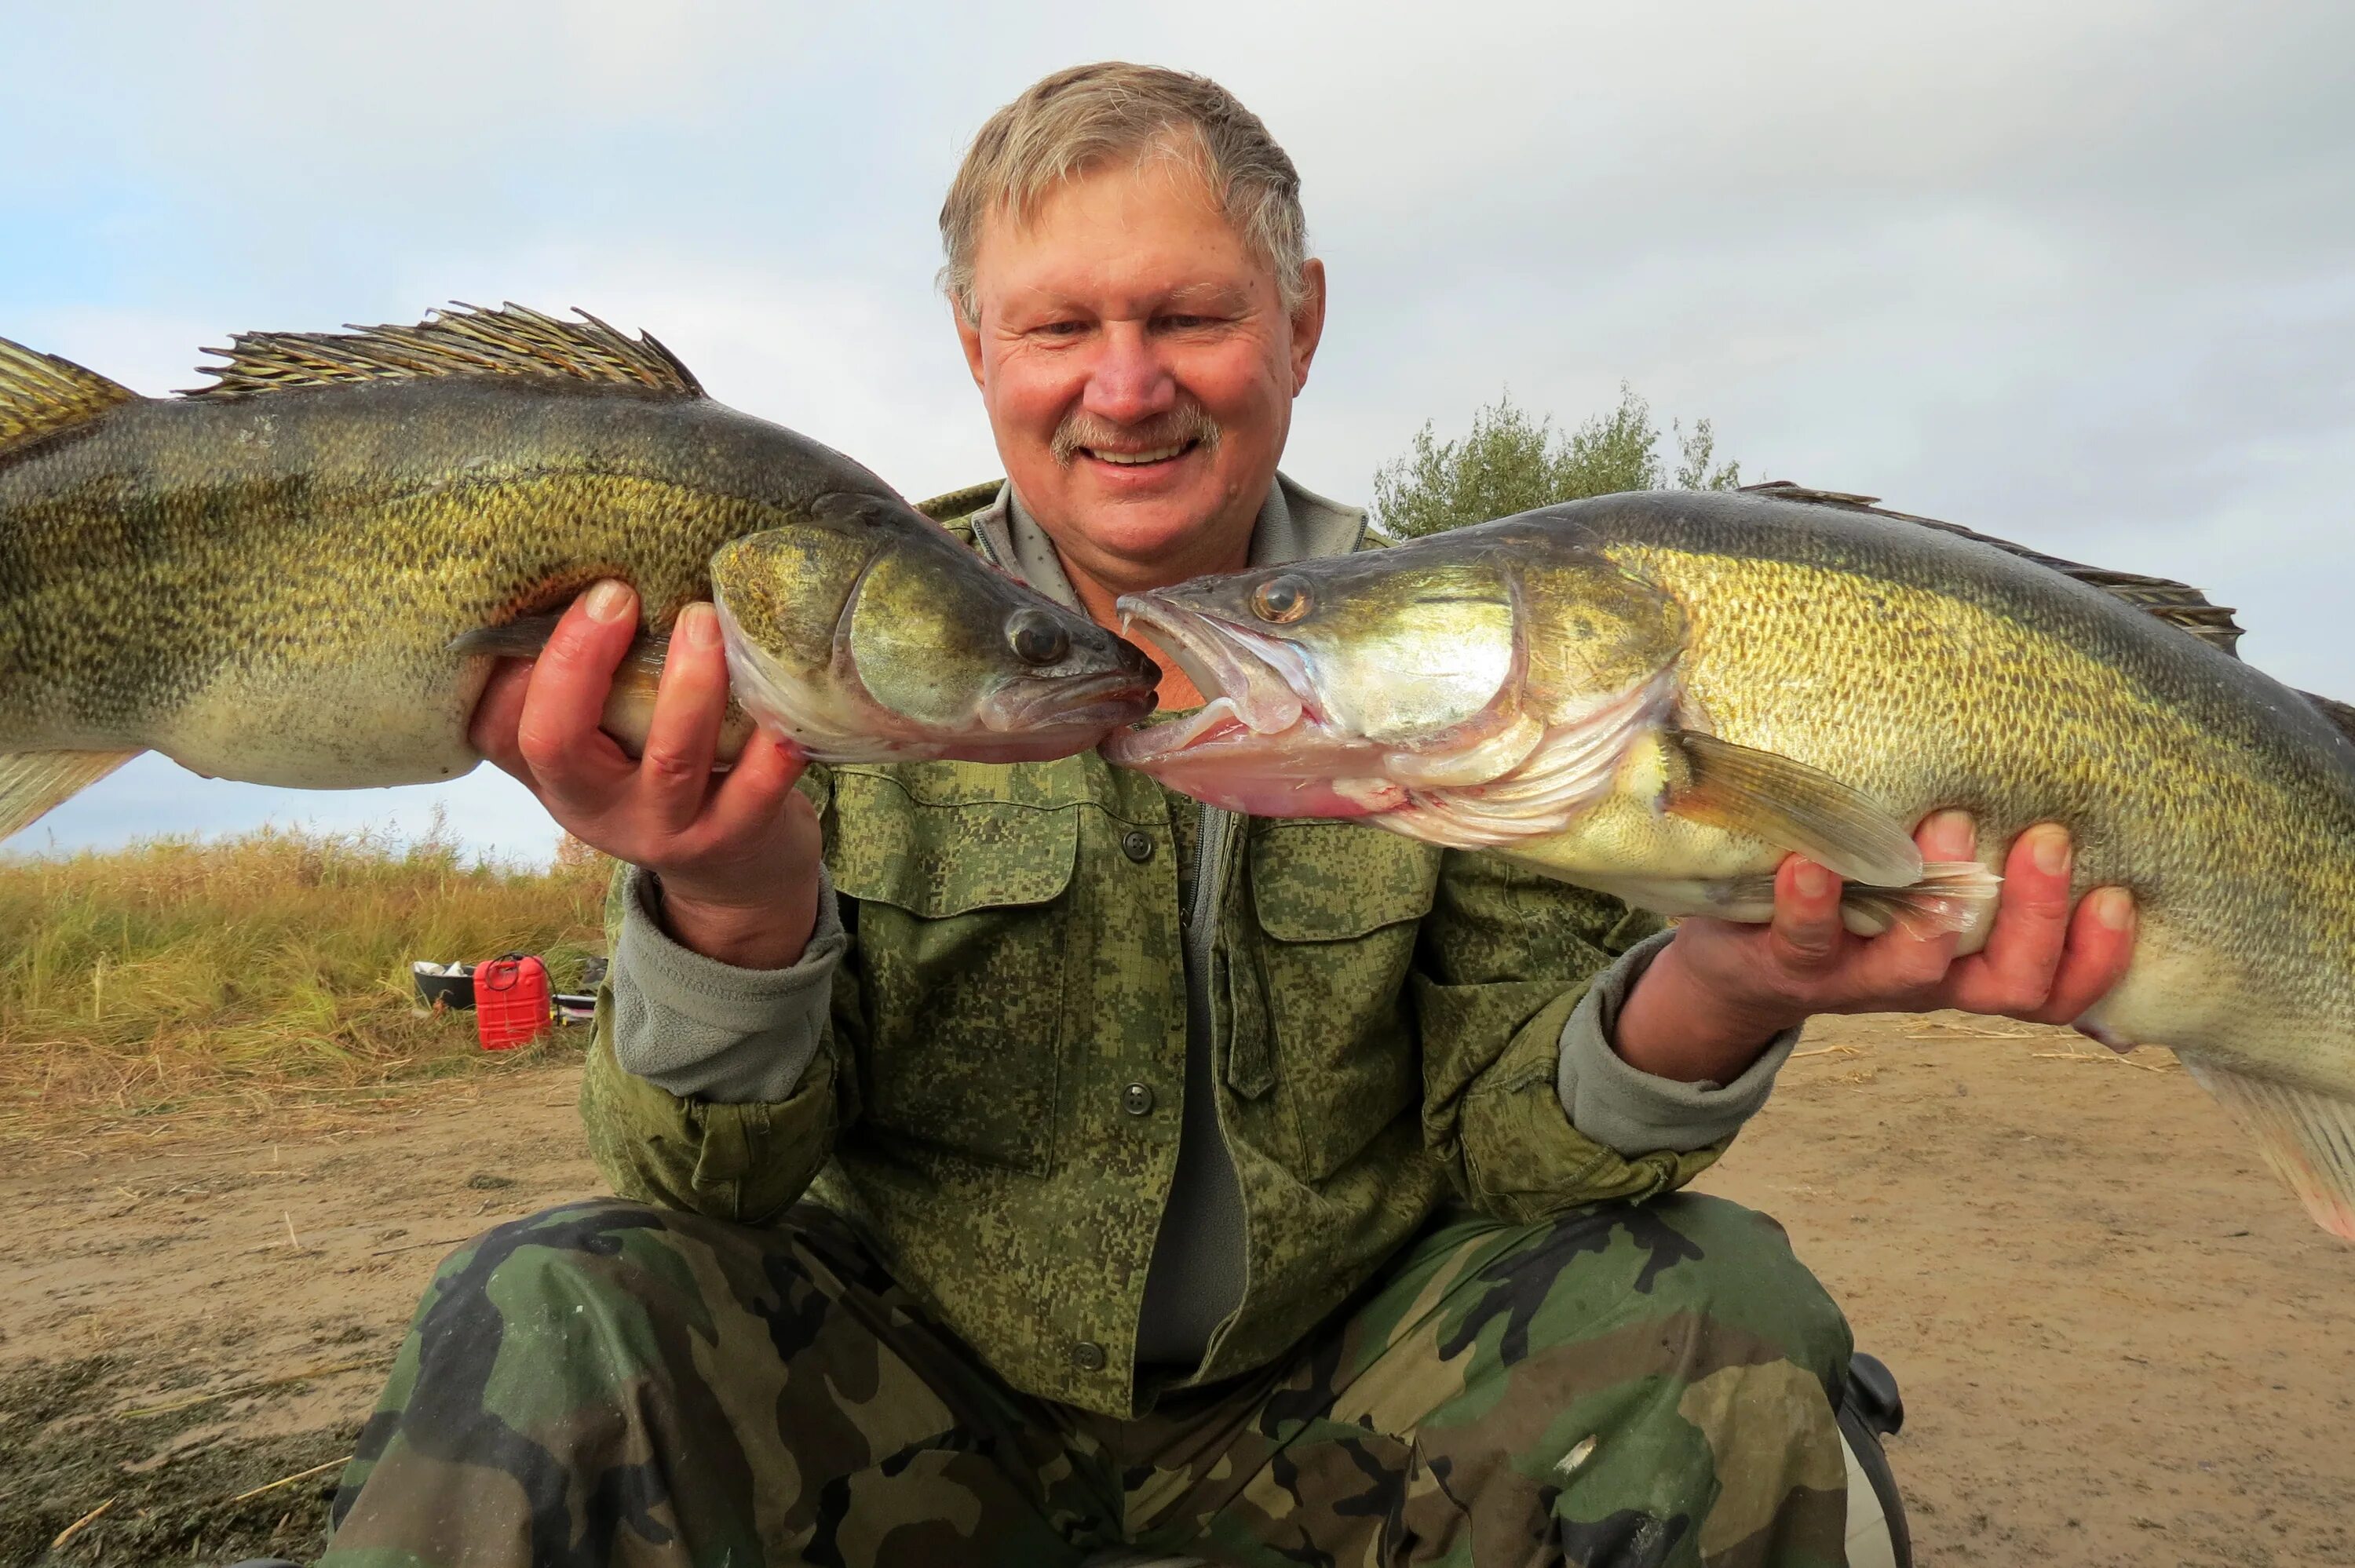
[[2081, 275]]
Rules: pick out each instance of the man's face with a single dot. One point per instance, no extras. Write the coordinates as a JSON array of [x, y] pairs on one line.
[[1138, 368]]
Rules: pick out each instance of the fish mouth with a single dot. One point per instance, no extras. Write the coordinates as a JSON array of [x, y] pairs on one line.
[[1103, 702], [1262, 743], [1256, 690]]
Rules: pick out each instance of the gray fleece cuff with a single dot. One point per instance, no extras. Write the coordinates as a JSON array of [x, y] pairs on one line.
[[1630, 1111], [709, 1031]]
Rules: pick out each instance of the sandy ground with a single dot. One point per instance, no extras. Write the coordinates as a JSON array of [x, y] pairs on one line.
[[2120, 1342]]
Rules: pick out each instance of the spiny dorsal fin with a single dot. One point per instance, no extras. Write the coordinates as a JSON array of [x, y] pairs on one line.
[[2179, 604], [465, 341], [41, 394]]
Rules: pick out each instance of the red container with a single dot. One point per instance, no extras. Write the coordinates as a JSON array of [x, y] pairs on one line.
[[511, 1003]]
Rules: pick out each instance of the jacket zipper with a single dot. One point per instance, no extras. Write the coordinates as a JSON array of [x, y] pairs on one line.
[[1211, 826]]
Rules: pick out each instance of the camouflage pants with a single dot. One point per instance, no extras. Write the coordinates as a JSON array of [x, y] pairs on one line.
[[609, 1382]]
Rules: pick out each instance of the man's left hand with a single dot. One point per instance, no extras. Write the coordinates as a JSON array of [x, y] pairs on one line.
[[1720, 992]]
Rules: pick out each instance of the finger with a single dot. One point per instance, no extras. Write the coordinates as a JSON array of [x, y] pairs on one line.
[[2100, 945], [675, 766], [1909, 961], [1947, 835], [557, 732], [2014, 974], [1804, 936], [750, 795], [492, 730]]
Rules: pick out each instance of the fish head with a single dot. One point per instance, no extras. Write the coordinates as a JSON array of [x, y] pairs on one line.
[[899, 644], [1368, 684]]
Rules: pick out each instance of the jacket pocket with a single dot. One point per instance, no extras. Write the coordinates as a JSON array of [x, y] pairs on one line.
[[1337, 908], [963, 916]]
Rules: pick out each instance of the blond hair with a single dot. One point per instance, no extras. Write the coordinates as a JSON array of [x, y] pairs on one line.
[[1078, 120]]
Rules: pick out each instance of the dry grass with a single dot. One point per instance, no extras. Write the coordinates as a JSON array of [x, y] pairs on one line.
[[258, 972]]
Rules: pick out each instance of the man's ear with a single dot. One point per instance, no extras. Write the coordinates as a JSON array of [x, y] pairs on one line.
[[969, 336], [1307, 321]]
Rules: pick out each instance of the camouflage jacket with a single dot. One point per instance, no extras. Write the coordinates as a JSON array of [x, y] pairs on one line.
[[994, 1098]]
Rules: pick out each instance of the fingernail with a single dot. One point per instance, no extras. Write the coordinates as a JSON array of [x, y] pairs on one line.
[[2049, 847], [698, 626], [1955, 828], [2113, 908], [1812, 881], [610, 600]]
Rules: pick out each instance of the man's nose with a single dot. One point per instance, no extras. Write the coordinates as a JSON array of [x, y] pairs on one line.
[[1129, 382]]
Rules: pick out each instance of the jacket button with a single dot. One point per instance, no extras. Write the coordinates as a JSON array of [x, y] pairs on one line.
[[1088, 1356], [1138, 1099], [1137, 844]]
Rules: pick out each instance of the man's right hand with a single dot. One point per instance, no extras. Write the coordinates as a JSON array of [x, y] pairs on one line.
[[737, 853]]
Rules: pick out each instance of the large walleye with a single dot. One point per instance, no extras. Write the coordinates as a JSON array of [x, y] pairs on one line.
[[1660, 695], [296, 574]]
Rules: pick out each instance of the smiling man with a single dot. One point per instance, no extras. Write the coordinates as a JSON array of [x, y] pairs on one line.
[[1021, 1162]]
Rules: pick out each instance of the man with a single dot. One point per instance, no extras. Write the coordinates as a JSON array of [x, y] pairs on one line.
[[1254, 1188]]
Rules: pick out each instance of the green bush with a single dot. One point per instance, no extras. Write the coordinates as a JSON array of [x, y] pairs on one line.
[[1511, 462]]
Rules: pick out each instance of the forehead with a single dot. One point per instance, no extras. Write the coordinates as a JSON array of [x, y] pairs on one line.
[[1131, 231]]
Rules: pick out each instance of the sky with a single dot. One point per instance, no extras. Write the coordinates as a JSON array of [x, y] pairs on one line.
[[2081, 276]]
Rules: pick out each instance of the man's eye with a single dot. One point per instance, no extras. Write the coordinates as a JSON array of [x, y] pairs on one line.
[[1061, 328], [1186, 324]]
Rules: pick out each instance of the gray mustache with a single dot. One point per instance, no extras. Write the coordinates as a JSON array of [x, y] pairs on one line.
[[1080, 431]]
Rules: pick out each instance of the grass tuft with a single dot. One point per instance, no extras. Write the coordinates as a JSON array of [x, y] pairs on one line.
[[260, 970]]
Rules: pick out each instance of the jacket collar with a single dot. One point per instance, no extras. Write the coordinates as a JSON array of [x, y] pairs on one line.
[[1295, 523]]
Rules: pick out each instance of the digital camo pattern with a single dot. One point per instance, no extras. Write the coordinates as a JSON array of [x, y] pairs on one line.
[[1625, 1386], [1385, 1020]]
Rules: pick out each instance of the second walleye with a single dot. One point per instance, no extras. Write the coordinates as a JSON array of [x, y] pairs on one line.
[[1660, 695]]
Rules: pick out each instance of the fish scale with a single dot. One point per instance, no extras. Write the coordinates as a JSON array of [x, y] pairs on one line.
[[1836, 673]]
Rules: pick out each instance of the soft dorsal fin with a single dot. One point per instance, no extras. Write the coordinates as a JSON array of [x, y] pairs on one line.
[[465, 340], [2179, 604], [2340, 714], [41, 394]]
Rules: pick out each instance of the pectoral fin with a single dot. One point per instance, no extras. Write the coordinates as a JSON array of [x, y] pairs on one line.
[[33, 781], [1788, 804], [1952, 895], [526, 637], [630, 706], [518, 639]]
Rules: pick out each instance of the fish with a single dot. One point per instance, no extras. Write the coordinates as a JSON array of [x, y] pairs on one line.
[[1661, 694], [303, 573]]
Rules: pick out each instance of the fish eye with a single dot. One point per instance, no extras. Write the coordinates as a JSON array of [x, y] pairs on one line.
[[1036, 638], [1282, 599]]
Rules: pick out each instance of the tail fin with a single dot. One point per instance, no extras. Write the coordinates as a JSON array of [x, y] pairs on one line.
[[2308, 1136], [31, 783]]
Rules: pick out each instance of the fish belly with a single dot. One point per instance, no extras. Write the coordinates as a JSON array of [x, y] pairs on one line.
[[352, 727]]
